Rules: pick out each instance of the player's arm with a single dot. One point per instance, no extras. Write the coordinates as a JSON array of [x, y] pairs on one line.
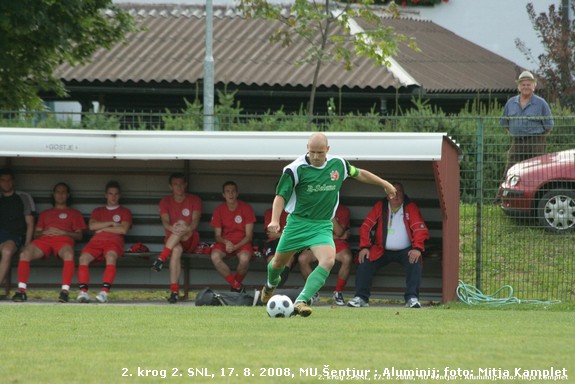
[[184, 229], [369, 178], [338, 229], [218, 236], [196, 215], [277, 209], [74, 235], [29, 228], [97, 225], [249, 229], [109, 226], [165, 218]]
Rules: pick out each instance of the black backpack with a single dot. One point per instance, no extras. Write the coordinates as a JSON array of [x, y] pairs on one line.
[[208, 296]]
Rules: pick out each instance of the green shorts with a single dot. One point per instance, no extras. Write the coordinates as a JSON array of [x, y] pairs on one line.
[[300, 233]]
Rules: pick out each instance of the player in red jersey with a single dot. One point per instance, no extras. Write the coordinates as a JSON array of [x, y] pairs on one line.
[[233, 223], [180, 214], [109, 223], [57, 230]]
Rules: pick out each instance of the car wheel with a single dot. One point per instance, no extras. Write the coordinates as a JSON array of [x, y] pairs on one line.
[[556, 210]]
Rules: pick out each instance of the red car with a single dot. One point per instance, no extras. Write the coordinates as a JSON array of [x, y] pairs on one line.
[[542, 187]]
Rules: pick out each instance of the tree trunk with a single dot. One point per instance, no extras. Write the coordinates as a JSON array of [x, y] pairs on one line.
[[324, 37]]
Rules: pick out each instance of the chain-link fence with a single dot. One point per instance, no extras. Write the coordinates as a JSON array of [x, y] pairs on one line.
[[516, 229]]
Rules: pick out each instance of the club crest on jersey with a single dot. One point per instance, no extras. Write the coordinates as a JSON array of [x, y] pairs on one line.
[[185, 212], [63, 216], [238, 219], [334, 175], [116, 218]]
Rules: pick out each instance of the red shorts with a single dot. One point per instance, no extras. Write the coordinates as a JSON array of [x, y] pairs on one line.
[[246, 247], [51, 245], [340, 245], [188, 245], [98, 248]]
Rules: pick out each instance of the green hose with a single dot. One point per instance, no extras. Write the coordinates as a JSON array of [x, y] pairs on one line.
[[470, 295]]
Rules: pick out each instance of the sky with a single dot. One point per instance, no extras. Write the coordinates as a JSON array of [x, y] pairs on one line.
[[492, 24]]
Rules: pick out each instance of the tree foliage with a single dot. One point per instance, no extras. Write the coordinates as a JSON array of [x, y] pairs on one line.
[[556, 66], [328, 29], [36, 36]]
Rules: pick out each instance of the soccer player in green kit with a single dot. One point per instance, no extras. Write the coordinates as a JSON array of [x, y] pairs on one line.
[[309, 191]]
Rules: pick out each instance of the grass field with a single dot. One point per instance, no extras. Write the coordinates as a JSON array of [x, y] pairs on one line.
[[115, 343]]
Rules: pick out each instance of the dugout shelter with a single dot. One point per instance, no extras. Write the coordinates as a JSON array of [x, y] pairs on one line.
[[426, 163]]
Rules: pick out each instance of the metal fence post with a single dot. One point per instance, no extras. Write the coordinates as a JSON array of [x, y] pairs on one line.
[[478, 200]]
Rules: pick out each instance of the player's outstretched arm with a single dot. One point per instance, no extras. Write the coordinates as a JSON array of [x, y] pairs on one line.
[[369, 178]]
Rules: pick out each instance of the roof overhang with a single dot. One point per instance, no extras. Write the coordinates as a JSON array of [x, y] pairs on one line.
[[207, 145]]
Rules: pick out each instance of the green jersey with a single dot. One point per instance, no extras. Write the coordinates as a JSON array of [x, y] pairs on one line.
[[313, 192]]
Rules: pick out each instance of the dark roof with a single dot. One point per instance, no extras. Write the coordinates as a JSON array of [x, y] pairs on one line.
[[170, 49]]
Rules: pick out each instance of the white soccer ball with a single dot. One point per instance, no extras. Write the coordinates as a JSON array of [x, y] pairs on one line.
[[280, 306]]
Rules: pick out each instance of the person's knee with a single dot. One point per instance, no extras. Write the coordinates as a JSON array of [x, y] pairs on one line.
[[111, 258], [244, 258], [7, 249], [6, 255], [344, 257], [85, 259], [326, 261], [26, 254], [67, 255], [216, 256], [305, 261], [176, 254]]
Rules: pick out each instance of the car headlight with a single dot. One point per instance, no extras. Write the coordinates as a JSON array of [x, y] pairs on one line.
[[513, 180]]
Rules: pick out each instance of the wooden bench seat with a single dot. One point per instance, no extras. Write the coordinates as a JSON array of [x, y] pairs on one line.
[[393, 274]]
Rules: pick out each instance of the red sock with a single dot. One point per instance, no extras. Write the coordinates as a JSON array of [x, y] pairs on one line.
[[83, 277], [23, 271], [109, 276], [23, 275], [231, 279], [165, 254], [68, 272], [240, 278], [174, 287], [340, 285]]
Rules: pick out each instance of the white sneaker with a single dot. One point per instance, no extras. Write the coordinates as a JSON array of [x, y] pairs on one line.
[[314, 298], [357, 302], [338, 298], [83, 297], [102, 297], [413, 303]]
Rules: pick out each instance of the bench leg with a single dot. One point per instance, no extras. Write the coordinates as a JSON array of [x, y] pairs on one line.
[[186, 268]]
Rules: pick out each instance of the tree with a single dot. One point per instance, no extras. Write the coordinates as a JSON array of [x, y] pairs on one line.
[[556, 66], [326, 26], [36, 36]]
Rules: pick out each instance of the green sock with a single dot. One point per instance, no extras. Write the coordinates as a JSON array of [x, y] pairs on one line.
[[274, 275], [314, 282]]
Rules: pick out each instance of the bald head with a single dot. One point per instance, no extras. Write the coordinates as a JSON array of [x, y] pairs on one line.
[[317, 149], [317, 139]]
